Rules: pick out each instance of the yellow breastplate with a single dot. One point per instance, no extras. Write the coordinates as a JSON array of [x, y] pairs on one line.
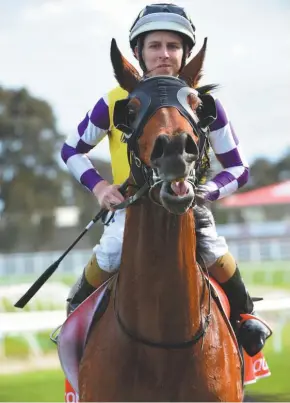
[[118, 150]]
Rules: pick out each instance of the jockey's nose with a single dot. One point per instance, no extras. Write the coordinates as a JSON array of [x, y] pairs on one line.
[[164, 52], [181, 146]]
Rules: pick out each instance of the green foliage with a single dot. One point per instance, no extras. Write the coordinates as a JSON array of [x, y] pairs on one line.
[[264, 172], [30, 177]]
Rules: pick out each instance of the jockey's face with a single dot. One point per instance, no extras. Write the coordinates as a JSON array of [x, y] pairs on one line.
[[162, 53]]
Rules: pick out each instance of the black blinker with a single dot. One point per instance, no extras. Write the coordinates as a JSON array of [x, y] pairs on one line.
[[120, 116], [207, 114]]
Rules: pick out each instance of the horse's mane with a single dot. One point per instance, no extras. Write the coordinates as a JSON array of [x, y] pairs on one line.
[[204, 170], [206, 88]]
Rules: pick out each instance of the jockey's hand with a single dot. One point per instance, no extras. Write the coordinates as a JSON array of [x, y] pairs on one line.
[[107, 195], [201, 194]]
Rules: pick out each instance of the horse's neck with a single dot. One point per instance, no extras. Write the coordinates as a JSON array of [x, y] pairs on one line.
[[159, 282]]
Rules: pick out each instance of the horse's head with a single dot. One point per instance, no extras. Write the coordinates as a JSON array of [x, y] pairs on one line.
[[163, 120]]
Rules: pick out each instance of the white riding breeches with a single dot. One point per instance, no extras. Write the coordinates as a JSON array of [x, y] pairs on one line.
[[212, 245], [108, 251]]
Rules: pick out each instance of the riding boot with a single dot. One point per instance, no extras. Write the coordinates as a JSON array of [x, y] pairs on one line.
[[251, 333], [91, 279]]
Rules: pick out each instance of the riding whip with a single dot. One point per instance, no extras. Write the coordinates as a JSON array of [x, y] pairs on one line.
[[52, 268]]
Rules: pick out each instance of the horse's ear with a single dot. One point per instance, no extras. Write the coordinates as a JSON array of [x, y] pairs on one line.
[[192, 72], [125, 73]]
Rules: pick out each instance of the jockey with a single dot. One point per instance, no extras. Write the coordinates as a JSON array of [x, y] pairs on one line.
[[161, 39]]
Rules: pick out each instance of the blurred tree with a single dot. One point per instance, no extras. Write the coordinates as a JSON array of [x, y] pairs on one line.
[[262, 173], [30, 179], [283, 166]]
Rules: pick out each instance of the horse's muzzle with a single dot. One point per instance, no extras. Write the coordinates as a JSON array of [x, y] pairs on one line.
[[173, 156], [174, 203]]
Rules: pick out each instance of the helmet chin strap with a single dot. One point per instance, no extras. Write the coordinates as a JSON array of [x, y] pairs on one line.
[[140, 43], [184, 57]]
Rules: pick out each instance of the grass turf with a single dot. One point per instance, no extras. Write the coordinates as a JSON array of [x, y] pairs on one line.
[[277, 385], [41, 386]]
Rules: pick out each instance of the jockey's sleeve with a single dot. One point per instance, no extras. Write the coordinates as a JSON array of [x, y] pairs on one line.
[[91, 130], [227, 149]]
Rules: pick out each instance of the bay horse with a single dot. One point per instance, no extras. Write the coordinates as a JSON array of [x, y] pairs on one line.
[[162, 336]]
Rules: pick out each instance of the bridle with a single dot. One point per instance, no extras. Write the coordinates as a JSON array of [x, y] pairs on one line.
[[155, 93]]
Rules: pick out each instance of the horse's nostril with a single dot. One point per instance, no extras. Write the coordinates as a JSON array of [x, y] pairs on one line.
[[179, 146], [159, 147], [190, 146]]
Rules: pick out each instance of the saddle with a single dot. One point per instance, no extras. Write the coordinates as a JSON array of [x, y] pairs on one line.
[[255, 366], [74, 333]]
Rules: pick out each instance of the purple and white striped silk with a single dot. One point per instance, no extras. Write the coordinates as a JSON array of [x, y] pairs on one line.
[[227, 149], [90, 132], [223, 140]]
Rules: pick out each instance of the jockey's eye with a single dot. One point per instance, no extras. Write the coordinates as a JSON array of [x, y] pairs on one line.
[[174, 46], [154, 45]]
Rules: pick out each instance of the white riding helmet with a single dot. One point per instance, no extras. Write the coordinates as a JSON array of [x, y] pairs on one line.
[[163, 16]]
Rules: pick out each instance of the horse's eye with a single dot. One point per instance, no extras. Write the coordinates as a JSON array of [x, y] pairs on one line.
[[199, 110]]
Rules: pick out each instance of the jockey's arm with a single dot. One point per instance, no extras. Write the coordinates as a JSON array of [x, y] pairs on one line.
[[91, 130], [227, 149]]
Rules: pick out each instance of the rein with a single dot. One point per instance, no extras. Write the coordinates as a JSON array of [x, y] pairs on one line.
[[172, 345]]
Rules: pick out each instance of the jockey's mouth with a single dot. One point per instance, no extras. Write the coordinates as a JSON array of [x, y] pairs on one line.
[[163, 65]]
